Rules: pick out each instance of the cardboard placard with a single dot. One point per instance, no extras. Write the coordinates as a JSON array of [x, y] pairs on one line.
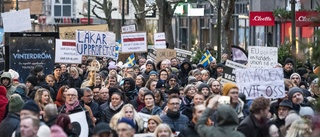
[[134, 42], [228, 71], [70, 32], [262, 57], [160, 40], [165, 54]]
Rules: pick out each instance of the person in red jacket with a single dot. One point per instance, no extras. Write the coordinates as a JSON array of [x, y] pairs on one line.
[[3, 102]]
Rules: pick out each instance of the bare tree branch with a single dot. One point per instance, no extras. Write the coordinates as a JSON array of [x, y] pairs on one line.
[[154, 7], [100, 4], [94, 13]]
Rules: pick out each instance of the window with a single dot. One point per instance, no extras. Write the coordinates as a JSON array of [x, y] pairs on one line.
[[63, 8]]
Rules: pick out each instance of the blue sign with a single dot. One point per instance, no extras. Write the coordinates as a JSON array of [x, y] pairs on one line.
[[1, 35]]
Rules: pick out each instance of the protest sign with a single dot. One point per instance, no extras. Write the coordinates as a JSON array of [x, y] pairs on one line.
[[262, 57], [129, 28], [145, 118], [260, 82], [96, 43], [66, 52], [144, 135], [79, 124], [165, 54], [228, 71], [70, 32], [160, 40], [183, 54], [134, 42], [16, 21]]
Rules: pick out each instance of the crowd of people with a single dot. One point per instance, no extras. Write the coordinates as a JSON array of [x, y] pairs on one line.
[[178, 98]]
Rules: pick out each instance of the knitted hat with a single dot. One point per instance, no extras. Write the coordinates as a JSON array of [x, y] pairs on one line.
[[306, 111], [15, 103], [44, 131], [293, 91], [200, 66], [295, 74], [220, 65], [101, 128], [57, 131], [127, 121], [33, 80], [153, 72], [56, 67], [156, 118], [203, 85], [112, 65], [288, 60], [160, 84], [291, 118], [149, 62], [226, 88], [32, 106], [37, 69], [174, 90], [302, 71], [191, 79]]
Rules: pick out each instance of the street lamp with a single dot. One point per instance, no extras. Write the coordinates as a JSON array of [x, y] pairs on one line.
[[293, 32]]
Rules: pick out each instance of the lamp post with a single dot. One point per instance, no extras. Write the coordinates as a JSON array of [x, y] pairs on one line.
[[89, 3], [17, 5], [219, 32], [293, 31], [122, 13]]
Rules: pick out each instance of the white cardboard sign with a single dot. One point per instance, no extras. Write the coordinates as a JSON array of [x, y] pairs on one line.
[[262, 57], [129, 28], [134, 42], [79, 118], [260, 82], [66, 52], [160, 40], [16, 21]]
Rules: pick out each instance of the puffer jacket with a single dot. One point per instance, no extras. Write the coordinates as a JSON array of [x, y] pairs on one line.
[[155, 111], [9, 124]]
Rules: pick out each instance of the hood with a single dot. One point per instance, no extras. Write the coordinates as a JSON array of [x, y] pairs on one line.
[[132, 83], [3, 91], [227, 116], [20, 91], [7, 75], [183, 69]]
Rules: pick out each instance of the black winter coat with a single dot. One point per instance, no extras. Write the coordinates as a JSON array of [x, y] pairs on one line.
[[9, 125], [189, 131], [107, 113], [250, 127]]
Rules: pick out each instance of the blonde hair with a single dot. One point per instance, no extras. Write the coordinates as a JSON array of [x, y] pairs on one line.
[[299, 128], [163, 126], [38, 97], [75, 70], [136, 118]]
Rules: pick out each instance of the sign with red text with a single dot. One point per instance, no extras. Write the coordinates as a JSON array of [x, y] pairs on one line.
[[66, 52], [307, 18], [261, 19], [262, 57], [260, 82], [134, 42], [160, 40]]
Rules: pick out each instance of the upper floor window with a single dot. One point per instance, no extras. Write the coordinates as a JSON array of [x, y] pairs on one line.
[[63, 8]]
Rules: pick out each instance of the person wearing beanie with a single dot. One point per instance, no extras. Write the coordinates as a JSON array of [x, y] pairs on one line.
[[288, 68], [303, 73], [102, 129], [219, 68], [3, 102], [282, 112], [205, 89], [192, 80], [232, 90], [161, 86], [150, 66], [306, 112], [292, 116], [125, 127], [314, 88], [150, 107], [295, 78], [153, 122], [153, 75], [12, 120], [200, 67], [6, 81], [36, 70], [296, 96], [59, 79], [57, 131]]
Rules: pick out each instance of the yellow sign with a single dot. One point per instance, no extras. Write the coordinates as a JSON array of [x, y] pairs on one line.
[[70, 32]]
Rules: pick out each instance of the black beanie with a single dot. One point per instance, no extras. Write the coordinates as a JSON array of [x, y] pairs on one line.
[[33, 80], [37, 69], [302, 71], [294, 90], [32, 106], [220, 65], [288, 60], [174, 90], [160, 84]]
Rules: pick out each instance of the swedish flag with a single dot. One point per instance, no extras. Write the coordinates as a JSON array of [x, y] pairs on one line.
[[206, 59], [131, 61]]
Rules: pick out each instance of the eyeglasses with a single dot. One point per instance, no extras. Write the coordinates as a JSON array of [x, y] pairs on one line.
[[72, 95], [174, 104]]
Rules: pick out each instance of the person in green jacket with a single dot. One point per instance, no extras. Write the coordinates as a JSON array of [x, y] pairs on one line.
[[227, 121]]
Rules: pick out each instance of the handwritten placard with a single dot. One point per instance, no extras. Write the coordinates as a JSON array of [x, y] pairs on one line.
[[66, 52], [261, 82], [165, 54], [96, 43], [134, 42], [129, 28], [145, 118], [262, 57], [228, 71], [160, 40], [16, 21]]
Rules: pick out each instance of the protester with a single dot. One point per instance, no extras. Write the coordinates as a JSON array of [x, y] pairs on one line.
[[3, 102], [150, 107], [63, 121], [288, 68], [125, 128], [6, 81], [87, 99], [153, 122], [113, 107], [138, 102], [102, 130], [50, 114], [29, 127], [163, 130]]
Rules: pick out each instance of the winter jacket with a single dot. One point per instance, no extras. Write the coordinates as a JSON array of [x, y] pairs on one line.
[[176, 124], [132, 92], [189, 131], [155, 111], [51, 121], [3, 103], [107, 113], [62, 81], [94, 108], [79, 108], [9, 124], [74, 83], [213, 72], [137, 104], [287, 75], [9, 87], [22, 93], [251, 127], [183, 73], [227, 122]]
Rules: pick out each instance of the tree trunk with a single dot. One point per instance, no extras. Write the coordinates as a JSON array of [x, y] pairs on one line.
[[140, 14], [227, 24]]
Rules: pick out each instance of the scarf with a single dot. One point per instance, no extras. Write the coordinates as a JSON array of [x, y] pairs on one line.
[[116, 107], [71, 107], [140, 104], [173, 115]]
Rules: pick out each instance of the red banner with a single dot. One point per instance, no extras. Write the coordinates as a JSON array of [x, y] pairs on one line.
[[307, 18], [261, 18]]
